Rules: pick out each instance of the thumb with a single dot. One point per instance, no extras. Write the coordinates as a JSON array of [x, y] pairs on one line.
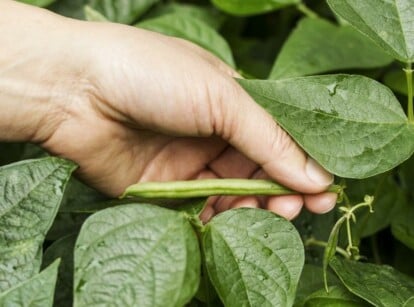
[[250, 129]]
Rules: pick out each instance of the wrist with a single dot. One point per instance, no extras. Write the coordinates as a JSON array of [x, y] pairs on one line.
[[39, 72]]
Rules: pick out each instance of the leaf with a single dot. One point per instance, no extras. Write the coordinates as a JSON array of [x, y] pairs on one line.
[[66, 223], [193, 30], [396, 80], [41, 3], [317, 46], [125, 11], [251, 7], [93, 15], [388, 23], [380, 285], [205, 14], [337, 296], [69, 8], [134, 254], [352, 125], [30, 194], [253, 258], [402, 225], [388, 199], [34, 292], [310, 281], [63, 249]]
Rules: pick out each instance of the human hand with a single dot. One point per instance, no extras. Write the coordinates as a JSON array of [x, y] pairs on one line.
[[130, 105]]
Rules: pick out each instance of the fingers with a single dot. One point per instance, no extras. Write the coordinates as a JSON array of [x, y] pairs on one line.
[[321, 203], [252, 131]]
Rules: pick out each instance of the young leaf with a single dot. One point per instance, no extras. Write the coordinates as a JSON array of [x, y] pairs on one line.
[[136, 254], [389, 23], [251, 7], [191, 29], [34, 292], [63, 249], [352, 125], [337, 296], [253, 258], [380, 285], [317, 46], [30, 194], [126, 11]]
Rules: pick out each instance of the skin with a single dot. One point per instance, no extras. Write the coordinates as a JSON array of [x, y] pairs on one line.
[[129, 105]]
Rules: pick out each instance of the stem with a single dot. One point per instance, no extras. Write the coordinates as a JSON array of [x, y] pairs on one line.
[[313, 241], [349, 234], [306, 10], [409, 76]]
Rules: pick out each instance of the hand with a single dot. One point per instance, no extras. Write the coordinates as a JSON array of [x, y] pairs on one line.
[[130, 105]]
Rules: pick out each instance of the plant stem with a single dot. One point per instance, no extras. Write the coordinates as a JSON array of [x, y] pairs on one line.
[[409, 76], [313, 241], [210, 187], [306, 10]]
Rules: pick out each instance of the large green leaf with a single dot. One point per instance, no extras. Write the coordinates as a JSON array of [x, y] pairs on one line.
[[136, 254], [63, 249], [390, 23], [125, 11], [30, 194], [317, 46], [380, 285], [352, 125], [253, 257], [40, 3], [192, 29], [34, 292], [251, 7]]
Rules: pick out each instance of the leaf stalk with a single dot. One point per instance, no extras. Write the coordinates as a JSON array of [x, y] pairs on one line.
[[409, 76]]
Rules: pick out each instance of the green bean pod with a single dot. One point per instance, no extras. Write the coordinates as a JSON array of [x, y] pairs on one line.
[[210, 187]]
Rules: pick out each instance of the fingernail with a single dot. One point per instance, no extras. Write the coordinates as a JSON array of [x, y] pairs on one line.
[[317, 174], [328, 203]]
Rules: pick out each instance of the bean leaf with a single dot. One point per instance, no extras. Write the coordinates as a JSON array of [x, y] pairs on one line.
[[337, 296], [317, 46], [136, 254], [191, 29], [125, 11], [41, 3], [402, 225], [30, 195], [380, 285], [389, 23], [352, 125], [251, 7], [253, 258], [34, 292]]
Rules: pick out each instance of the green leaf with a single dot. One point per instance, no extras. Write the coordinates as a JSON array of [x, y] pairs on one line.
[[388, 23], [380, 285], [352, 125], [317, 46], [253, 258], [63, 249], [93, 15], [310, 281], [388, 199], [206, 14], [397, 81], [251, 7], [34, 292], [66, 223], [125, 11], [402, 225], [134, 254], [337, 296], [69, 8], [193, 30], [41, 3], [30, 194]]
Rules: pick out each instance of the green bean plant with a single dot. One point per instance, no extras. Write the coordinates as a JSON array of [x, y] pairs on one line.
[[336, 75]]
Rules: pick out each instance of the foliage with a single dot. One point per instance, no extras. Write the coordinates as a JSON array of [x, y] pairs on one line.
[[128, 252]]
